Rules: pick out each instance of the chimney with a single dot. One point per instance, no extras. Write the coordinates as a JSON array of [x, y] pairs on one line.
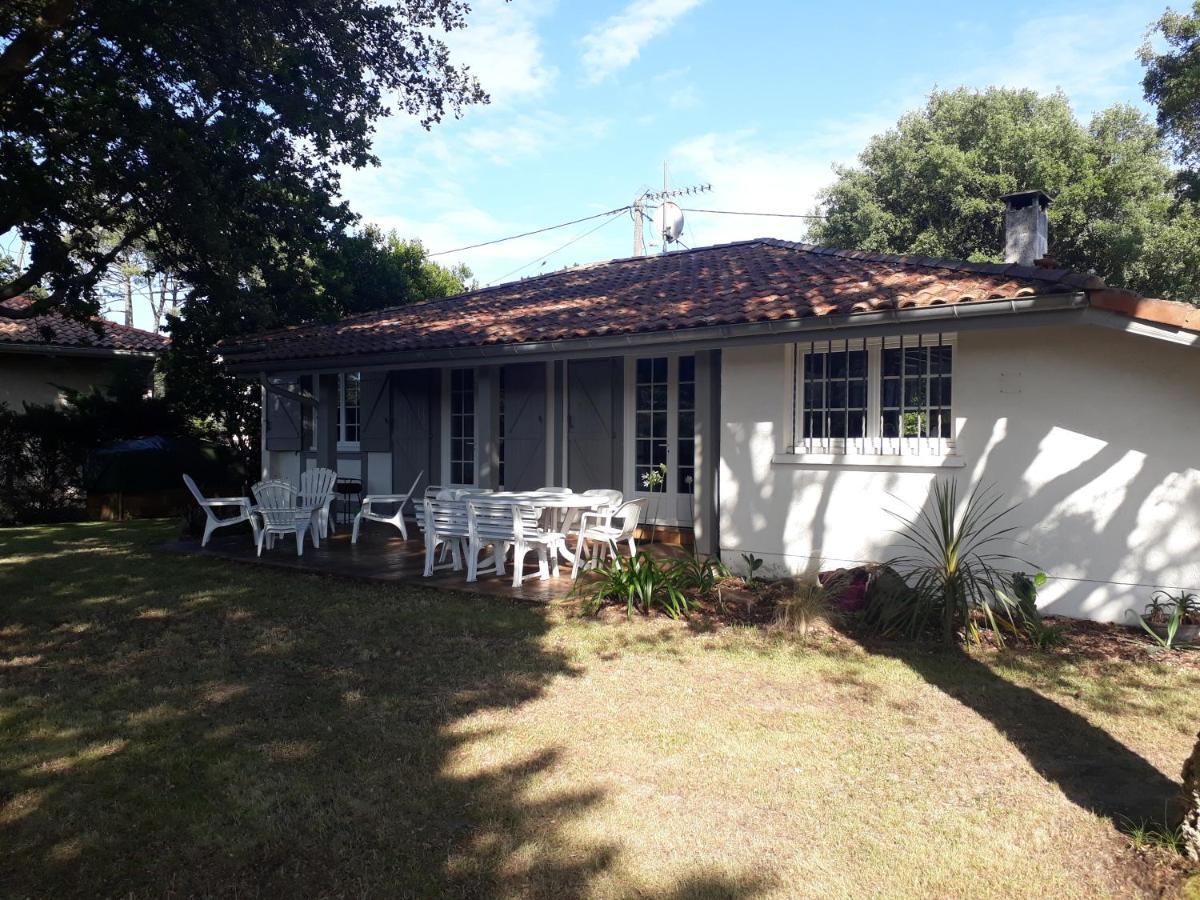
[[1025, 231]]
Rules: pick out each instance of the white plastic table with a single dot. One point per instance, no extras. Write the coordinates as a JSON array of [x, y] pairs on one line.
[[568, 506]]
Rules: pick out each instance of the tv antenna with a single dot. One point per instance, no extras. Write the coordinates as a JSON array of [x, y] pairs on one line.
[[668, 218]]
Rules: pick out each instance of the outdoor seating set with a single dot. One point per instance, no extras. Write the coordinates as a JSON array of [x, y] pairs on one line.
[[464, 528]]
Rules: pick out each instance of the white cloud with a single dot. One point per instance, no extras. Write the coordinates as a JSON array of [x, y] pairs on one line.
[[1091, 57], [616, 42], [748, 173], [503, 48]]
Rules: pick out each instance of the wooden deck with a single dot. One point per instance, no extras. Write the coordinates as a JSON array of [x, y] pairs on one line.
[[379, 556]]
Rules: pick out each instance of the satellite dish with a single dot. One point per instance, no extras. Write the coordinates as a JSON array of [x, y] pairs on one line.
[[669, 221]]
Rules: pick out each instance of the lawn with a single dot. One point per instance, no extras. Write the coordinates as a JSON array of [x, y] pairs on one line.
[[190, 726]]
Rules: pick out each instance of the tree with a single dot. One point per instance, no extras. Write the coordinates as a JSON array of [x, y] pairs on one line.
[[931, 186], [379, 270], [1172, 82], [362, 272], [211, 132]]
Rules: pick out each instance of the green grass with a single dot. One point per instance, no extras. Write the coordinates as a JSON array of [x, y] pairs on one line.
[[187, 726]]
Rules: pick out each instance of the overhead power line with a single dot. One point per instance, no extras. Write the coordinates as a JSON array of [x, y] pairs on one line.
[[732, 212], [613, 214], [529, 233]]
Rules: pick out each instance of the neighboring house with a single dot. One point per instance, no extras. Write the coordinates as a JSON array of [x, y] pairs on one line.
[[798, 395], [41, 356]]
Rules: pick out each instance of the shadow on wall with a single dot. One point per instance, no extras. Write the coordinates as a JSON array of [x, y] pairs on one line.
[[188, 728], [1108, 507]]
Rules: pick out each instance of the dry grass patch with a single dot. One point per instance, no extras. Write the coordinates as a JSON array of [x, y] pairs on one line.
[[196, 727]]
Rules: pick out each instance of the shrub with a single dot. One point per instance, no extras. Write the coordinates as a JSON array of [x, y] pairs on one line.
[[808, 603], [642, 582], [691, 573], [953, 568]]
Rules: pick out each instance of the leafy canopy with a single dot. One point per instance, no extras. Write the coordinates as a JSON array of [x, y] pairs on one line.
[[1172, 81], [931, 186], [210, 133]]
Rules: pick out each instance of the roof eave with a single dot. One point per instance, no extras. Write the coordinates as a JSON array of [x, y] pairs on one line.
[[66, 350], [961, 316]]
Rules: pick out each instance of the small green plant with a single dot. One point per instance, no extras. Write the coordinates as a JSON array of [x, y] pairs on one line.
[[642, 582], [1168, 612], [1147, 835], [809, 603], [654, 481], [691, 573], [753, 564], [1023, 591]]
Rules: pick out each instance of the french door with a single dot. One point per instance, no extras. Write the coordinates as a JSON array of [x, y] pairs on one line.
[[660, 429]]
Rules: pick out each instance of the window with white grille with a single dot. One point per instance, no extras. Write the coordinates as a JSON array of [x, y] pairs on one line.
[[462, 426], [873, 396]]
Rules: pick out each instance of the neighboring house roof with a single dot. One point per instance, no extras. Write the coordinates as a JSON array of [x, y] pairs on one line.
[[54, 332], [756, 281]]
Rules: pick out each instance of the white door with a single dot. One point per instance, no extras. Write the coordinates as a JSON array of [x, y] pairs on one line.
[[660, 429]]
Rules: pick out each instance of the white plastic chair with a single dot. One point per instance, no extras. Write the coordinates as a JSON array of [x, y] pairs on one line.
[[551, 489], [369, 512], [212, 521], [316, 490], [281, 514], [606, 537], [612, 498], [444, 522], [503, 524]]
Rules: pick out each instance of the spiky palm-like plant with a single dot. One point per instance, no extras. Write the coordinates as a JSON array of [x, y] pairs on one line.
[[953, 565]]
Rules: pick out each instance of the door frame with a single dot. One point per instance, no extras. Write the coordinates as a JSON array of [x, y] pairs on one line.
[[664, 507]]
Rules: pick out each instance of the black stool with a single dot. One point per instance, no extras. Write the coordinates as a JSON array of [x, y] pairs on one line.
[[346, 488]]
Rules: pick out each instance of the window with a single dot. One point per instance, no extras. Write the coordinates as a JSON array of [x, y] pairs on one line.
[[873, 396], [650, 418], [462, 426], [500, 424], [915, 392], [835, 393], [685, 468], [349, 384]]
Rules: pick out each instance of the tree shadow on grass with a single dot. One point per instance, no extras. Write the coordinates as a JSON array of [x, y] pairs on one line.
[[1093, 770], [218, 730]]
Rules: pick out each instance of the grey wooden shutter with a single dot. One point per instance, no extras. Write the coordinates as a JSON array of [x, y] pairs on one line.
[[594, 405], [283, 417], [524, 426], [414, 444], [374, 409]]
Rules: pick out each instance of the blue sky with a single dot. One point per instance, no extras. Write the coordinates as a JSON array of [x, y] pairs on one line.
[[760, 98]]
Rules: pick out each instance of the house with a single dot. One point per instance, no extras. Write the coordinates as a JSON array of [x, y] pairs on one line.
[[41, 356], [798, 395]]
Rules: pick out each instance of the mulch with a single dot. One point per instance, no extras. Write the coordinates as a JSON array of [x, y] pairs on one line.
[[735, 604]]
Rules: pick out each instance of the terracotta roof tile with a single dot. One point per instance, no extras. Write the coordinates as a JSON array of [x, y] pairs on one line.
[[55, 331], [745, 282]]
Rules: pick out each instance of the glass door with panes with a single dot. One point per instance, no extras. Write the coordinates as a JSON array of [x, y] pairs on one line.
[[660, 428]]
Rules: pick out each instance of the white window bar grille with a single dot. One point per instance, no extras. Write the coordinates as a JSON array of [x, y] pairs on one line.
[[890, 396]]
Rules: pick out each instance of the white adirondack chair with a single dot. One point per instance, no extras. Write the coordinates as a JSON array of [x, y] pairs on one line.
[[371, 512], [316, 490], [211, 504], [502, 524], [281, 514], [605, 537]]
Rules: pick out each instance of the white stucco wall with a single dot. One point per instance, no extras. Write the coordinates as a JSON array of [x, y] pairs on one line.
[[1096, 434]]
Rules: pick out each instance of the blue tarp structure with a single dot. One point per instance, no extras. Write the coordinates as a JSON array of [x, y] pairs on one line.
[[148, 464]]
